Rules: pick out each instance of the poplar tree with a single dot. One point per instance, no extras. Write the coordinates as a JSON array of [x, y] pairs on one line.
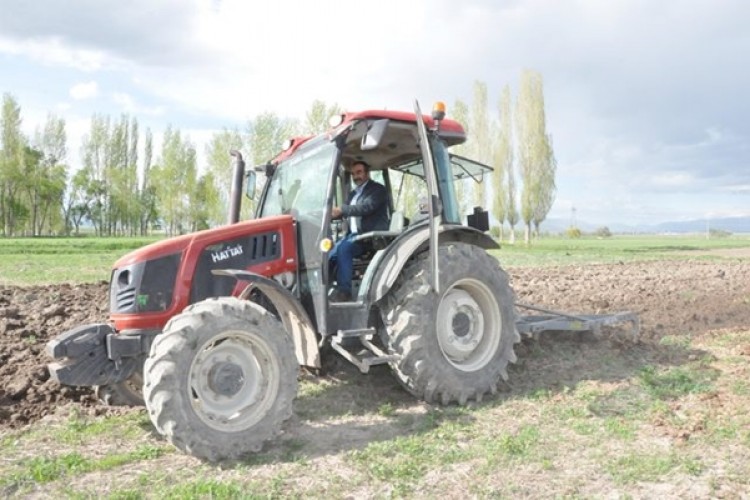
[[266, 134], [174, 180], [76, 205], [461, 115], [132, 205], [219, 165], [116, 176], [536, 158], [480, 138], [203, 201], [147, 209], [46, 182], [12, 152], [503, 178], [95, 151]]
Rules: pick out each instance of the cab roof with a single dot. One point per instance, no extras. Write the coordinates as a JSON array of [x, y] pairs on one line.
[[398, 145]]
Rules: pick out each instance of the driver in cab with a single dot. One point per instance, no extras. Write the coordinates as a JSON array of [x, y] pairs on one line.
[[366, 208]]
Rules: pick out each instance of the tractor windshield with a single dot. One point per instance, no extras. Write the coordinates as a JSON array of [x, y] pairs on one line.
[[299, 184]]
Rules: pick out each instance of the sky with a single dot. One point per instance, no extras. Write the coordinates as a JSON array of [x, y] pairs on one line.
[[647, 102]]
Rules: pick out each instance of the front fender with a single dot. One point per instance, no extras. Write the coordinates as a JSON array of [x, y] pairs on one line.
[[292, 314], [391, 262]]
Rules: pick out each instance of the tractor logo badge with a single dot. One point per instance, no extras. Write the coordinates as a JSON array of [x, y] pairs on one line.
[[226, 254]]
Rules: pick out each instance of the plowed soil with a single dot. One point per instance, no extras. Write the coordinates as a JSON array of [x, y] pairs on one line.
[[680, 297]]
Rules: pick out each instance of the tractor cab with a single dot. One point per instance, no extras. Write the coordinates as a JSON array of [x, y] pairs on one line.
[[312, 175]]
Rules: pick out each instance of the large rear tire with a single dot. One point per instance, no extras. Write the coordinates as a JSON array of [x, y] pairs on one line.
[[221, 379], [453, 347]]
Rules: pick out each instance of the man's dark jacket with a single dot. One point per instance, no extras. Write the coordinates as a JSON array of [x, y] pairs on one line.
[[371, 207]]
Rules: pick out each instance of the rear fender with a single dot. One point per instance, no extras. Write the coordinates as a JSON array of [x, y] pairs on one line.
[[379, 280], [292, 314]]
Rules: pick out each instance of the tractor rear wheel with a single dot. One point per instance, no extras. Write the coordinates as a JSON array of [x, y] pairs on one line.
[[455, 346], [220, 379]]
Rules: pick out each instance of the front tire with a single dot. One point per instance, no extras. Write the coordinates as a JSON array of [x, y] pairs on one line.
[[221, 379], [452, 347]]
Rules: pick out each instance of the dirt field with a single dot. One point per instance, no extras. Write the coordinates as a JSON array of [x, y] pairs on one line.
[[672, 298]]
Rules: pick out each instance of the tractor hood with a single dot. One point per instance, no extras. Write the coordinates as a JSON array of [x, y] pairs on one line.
[[153, 283], [179, 244]]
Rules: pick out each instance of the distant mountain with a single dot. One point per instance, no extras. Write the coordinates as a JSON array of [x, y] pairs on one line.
[[730, 224]]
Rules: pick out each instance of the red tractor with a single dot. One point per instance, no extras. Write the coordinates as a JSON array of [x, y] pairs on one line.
[[210, 328]]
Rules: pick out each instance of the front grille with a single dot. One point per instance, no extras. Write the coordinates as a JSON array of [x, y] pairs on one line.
[[264, 247], [157, 285], [125, 299], [144, 286]]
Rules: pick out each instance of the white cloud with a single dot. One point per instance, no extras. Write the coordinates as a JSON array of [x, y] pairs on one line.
[[672, 180], [128, 104], [85, 90], [53, 51], [737, 189]]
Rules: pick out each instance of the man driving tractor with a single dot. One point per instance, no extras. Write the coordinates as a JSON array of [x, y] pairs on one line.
[[367, 210]]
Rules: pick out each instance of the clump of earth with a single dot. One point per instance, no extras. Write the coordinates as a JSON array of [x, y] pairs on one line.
[[680, 297]]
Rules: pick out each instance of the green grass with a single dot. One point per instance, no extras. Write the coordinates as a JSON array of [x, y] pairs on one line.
[[614, 430], [555, 251], [676, 382], [514, 445], [80, 430], [31, 261], [208, 488], [46, 469], [635, 467]]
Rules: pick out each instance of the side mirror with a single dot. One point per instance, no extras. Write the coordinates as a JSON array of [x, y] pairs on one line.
[[250, 184], [375, 132]]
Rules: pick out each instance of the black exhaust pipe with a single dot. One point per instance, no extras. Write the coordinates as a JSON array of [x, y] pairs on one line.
[[235, 197]]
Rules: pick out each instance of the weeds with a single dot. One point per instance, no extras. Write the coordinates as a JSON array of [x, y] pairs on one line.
[[46, 469], [636, 467], [676, 382]]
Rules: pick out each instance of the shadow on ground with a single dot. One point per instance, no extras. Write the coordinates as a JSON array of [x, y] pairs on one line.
[[345, 410]]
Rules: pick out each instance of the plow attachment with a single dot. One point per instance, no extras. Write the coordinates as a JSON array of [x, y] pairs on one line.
[[548, 320]]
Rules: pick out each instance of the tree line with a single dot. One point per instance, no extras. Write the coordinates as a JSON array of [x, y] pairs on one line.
[[516, 144], [124, 187]]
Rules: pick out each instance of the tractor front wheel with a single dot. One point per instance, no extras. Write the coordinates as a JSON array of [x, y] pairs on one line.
[[455, 346], [220, 379]]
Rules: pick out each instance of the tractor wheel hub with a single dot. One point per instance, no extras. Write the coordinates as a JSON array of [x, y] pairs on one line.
[[226, 379]]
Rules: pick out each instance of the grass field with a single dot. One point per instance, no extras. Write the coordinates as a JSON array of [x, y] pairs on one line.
[[30, 261], [554, 251], [581, 418], [34, 261], [662, 431]]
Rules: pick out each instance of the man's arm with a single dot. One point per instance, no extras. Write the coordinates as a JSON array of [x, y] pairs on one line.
[[336, 212]]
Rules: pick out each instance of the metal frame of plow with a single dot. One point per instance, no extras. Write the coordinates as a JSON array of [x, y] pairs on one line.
[[558, 321]]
